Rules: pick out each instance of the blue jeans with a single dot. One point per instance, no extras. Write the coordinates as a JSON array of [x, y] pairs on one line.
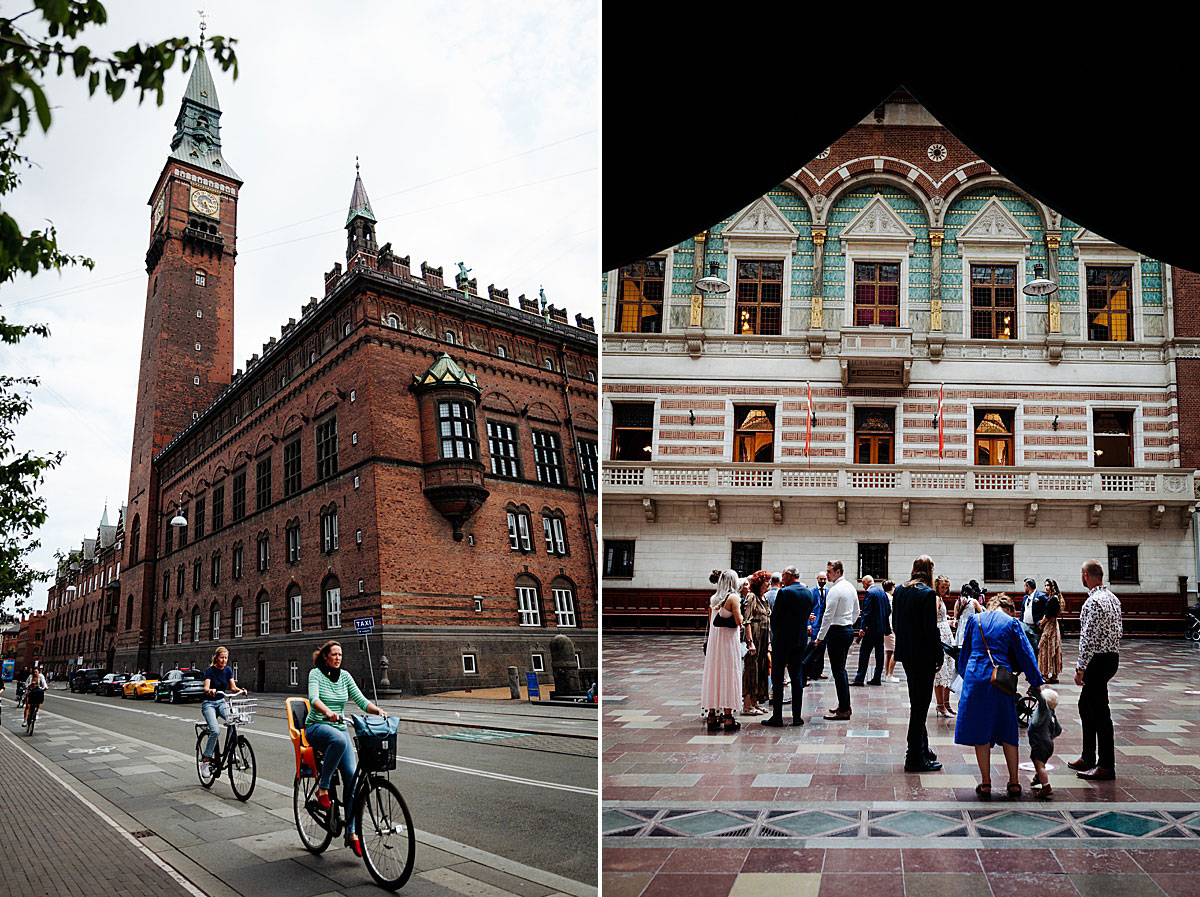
[[211, 710], [339, 754]]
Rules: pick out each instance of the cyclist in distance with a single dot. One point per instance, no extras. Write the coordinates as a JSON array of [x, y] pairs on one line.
[[329, 688], [217, 678], [35, 690]]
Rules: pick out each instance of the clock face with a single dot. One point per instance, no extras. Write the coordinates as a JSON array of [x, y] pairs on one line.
[[205, 203], [159, 208]]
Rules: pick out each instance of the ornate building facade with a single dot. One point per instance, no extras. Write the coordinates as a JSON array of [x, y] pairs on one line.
[[405, 452], [878, 382]]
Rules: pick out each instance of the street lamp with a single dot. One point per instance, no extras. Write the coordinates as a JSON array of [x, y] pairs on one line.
[[1039, 286], [712, 283], [179, 519]]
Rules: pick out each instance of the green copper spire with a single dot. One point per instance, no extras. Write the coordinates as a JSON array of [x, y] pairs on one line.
[[359, 204], [197, 139]]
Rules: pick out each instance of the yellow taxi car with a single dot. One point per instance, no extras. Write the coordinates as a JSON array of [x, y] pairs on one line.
[[139, 685]]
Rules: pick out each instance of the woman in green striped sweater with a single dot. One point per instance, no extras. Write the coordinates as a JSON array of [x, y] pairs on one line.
[[329, 688]]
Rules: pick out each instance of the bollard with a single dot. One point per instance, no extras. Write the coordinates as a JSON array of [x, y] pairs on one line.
[[514, 684]]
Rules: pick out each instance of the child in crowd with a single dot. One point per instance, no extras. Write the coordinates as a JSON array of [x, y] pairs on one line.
[[1043, 729]]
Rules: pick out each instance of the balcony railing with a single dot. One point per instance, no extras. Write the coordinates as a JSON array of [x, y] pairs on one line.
[[1117, 484]]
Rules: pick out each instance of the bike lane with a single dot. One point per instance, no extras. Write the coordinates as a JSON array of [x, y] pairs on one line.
[[214, 844]]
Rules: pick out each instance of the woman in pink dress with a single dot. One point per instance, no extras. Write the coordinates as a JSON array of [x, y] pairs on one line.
[[721, 686]]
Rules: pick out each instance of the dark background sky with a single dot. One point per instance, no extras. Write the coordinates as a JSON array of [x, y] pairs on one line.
[[700, 118]]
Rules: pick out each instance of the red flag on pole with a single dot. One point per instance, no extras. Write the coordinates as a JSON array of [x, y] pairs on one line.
[[941, 443], [808, 426]]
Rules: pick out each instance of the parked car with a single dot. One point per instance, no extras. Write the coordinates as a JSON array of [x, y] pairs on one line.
[[180, 685], [85, 680], [110, 684], [139, 685]]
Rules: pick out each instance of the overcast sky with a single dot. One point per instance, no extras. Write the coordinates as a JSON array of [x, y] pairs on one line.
[[477, 128]]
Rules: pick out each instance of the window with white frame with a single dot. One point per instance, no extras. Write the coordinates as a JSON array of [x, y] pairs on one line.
[[295, 615], [539, 663], [179, 627], [237, 620], [329, 530], [564, 606], [519, 530], [554, 531], [293, 672], [166, 629], [528, 612], [196, 624], [215, 622], [470, 664], [333, 605], [264, 617]]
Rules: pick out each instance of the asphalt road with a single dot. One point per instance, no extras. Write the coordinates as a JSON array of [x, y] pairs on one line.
[[530, 804]]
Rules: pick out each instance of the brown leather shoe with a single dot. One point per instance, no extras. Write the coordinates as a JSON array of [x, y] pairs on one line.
[[836, 715], [1099, 774], [1081, 765]]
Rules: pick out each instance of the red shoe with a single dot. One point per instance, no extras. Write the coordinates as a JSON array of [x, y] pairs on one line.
[[323, 801], [356, 845]]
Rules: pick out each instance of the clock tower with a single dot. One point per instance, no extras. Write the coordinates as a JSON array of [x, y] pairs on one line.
[[186, 358]]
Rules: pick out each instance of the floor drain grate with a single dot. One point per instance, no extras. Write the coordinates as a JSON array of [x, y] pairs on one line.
[[144, 833]]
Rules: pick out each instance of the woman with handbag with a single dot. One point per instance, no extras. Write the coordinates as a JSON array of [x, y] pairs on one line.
[[1050, 644], [721, 685], [756, 617], [987, 709], [944, 677]]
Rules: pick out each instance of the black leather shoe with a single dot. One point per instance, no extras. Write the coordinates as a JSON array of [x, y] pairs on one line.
[[875, 682], [797, 721], [857, 683], [929, 755], [774, 721], [923, 766]]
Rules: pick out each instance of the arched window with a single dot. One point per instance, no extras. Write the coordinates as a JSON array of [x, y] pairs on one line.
[[554, 530], [166, 629], [196, 623], [501, 352], [264, 614], [393, 322], [201, 278], [331, 591], [295, 609], [329, 529], [292, 531], [564, 602], [214, 620], [236, 611], [129, 612], [450, 337], [529, 602], [519, 528], [179, 627], [346, 329], [135, 538]]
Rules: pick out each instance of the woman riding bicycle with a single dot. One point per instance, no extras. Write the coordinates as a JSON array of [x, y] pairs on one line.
[[217, 678], [329, 688], [35, 691]]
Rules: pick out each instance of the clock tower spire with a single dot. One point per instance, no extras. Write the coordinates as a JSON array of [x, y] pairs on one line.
[[360, 220], [186, 358]]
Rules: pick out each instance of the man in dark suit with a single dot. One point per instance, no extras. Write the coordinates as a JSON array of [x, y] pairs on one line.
[[1032, 612], [789, 638], [919, 649], [871, 627], [815, 667]]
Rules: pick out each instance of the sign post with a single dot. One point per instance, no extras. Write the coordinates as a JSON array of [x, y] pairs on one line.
[[363, 627]]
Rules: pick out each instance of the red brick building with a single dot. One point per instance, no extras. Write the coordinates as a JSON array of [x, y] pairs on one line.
[[403, 451], [31, 641]]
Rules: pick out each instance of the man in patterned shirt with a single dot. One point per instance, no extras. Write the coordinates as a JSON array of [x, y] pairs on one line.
[[1099, 643]]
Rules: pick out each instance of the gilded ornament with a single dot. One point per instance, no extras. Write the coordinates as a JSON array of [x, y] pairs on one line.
[[1055, 317], [936, 237], [1052, 241], [935, 314], [696, 314], [815, 322], [818, 236]]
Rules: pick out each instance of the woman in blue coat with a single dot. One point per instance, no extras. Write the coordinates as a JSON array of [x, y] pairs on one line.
[[986, 715]]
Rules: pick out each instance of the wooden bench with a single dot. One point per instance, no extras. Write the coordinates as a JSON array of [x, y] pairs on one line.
[[655, 610], [1154, 614]]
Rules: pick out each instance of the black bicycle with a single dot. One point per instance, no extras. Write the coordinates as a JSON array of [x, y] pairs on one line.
[[237, 756], [31, 713], [384, 825], [1193, 621]]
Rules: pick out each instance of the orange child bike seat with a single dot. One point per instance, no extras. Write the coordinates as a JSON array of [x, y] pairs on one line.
[[297, 711]]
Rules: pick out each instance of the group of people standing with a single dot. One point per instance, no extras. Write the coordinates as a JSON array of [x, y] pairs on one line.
[[980, 637]]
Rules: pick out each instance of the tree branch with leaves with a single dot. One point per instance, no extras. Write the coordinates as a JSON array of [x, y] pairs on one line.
[[36, 45]]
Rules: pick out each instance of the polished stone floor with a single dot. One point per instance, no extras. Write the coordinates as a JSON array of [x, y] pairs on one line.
[[827, 808]]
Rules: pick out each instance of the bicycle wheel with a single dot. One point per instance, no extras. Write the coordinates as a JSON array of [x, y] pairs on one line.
[[32, 719], [205, 780], [311, 821], [242, 771], [385, 830]]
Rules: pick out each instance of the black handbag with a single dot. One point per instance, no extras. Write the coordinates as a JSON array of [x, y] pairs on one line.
[[727, 622], [1004, 680]]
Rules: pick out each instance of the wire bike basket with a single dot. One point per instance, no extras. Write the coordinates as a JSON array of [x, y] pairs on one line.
[[241, 710]]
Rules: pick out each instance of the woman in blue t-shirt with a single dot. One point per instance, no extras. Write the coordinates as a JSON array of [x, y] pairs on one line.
[[217, 678]]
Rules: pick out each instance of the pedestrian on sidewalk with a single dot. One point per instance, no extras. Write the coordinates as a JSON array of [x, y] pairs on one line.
[[944, 677], [919, 649], [837, 631], [1100, 634], [1049, 650], [889, 640], [756, 622], [815, 667], [1043, 729]]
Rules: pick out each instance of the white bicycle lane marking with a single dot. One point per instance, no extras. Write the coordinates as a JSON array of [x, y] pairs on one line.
[[498, 776]]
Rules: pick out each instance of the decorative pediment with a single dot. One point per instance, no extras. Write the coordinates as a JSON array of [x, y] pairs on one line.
[[877, 223], [994, 224], [1094, 244], [761, 220]]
